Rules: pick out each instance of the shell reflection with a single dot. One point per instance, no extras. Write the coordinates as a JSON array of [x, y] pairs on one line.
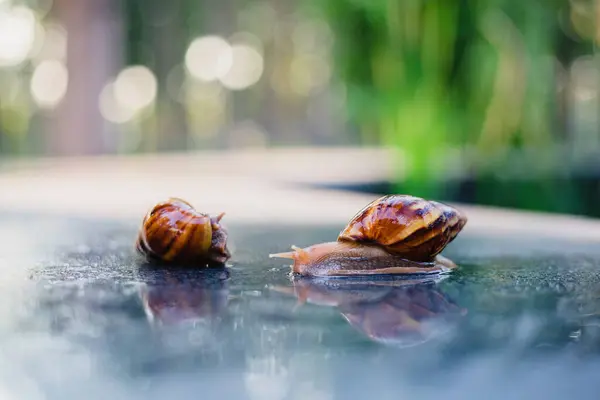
[[402, 313], [175, 297]]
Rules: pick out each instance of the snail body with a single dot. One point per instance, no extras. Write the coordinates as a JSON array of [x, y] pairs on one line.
[[174, 232], [395, 234]]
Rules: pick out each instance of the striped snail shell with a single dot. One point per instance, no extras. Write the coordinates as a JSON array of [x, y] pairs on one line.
[[407, 226], [395, 234], [174, 232]]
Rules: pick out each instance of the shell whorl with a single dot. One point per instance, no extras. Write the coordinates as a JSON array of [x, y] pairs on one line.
[[173, 231], [408, 226]]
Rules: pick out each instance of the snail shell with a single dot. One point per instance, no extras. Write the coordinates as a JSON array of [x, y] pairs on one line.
[[174, 232], [395, 234], [408, 226]]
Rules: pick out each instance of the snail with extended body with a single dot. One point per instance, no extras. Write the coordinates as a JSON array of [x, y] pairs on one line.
[[395, 234], [174, 232]]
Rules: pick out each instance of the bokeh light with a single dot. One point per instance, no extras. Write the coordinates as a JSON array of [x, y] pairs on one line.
[[135, 88], [267, 74], [208, 58], [49, 83], [54, 44], [39, 37], [246, 68], [110, 108], [17, 35], [585, 77], [308, 73]]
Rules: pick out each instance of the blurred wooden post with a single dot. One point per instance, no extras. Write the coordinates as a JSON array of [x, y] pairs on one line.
[[94, 47]]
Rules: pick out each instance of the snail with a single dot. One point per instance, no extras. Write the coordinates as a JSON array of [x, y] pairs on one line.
[[395, 234], [174, 232]]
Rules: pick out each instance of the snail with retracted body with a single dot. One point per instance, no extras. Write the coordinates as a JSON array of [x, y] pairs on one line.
[[174, 232], [395, 234]]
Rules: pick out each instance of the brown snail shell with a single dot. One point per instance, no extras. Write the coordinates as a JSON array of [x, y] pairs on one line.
[[407, 226], [395, 234], [174, 232]]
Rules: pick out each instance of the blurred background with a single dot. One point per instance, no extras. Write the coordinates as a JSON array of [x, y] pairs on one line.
[[484, 101]]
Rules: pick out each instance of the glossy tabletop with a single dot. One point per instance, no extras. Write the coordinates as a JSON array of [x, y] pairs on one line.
[[82, 317]]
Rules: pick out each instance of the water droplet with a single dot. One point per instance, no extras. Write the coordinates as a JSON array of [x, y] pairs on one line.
[[575, 335]]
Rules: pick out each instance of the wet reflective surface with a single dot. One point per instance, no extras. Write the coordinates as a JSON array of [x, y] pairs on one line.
[[82, 317]]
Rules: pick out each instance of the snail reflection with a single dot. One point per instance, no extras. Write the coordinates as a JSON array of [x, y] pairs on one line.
[[187, 316], [174, 297], [401, 313]]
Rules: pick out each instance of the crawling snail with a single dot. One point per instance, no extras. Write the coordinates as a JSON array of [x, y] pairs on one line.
[[395, 234], [174, 232]]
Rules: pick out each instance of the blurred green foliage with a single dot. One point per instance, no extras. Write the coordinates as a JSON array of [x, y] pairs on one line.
[[489, 101], [464, 85]]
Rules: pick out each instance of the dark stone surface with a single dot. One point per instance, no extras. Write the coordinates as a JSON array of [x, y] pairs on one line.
[[82, 317]]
